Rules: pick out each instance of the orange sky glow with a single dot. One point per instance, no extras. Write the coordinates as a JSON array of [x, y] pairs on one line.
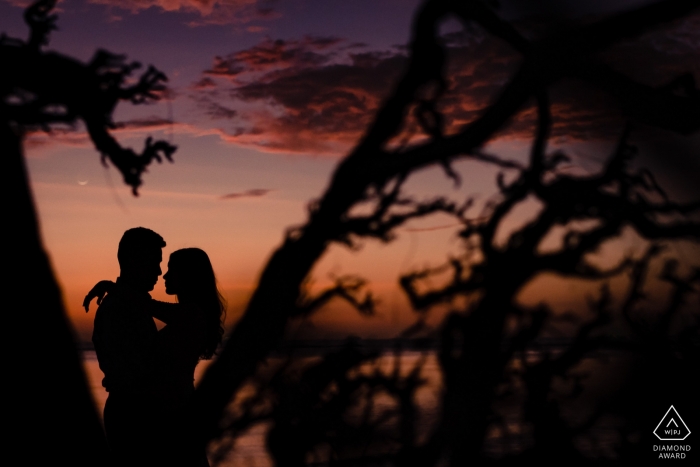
[[264, 102]]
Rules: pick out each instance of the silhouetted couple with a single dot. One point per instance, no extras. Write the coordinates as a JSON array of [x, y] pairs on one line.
[[149, 374]]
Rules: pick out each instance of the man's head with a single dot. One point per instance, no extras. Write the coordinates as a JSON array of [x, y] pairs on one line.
[[140, 254]]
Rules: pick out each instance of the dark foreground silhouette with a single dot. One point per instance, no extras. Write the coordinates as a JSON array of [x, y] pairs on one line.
[[484, 344], [39, 89]]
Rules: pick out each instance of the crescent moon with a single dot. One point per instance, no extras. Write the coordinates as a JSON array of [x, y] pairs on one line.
[[81, 183]]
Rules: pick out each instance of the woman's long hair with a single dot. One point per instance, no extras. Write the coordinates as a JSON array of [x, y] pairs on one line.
[[201, 288]]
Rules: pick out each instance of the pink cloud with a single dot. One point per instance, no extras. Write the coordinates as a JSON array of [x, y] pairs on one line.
[[209, 11], [320, 93], [78, 137], [253, 193], [317, 95], [20, 3], [276, 55]]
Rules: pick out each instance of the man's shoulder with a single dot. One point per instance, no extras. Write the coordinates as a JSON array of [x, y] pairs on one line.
[[116, 305], [121, 297], [108, 314], [112, 301], [109, 301]]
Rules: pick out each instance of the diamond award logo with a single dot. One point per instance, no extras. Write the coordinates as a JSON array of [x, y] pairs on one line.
[[671, 427]]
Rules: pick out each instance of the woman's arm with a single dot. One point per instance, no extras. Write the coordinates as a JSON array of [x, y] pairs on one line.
[[99, 291], [165, 311]]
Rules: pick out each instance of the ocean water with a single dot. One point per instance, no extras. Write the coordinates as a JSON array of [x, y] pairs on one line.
[[249, 448], [509, 436]]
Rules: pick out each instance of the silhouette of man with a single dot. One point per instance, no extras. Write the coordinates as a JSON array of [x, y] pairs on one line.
[[125, 340]]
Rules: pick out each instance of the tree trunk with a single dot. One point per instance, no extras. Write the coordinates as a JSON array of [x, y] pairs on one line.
[[50, 411]]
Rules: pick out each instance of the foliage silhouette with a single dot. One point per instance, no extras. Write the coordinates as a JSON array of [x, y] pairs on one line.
[[482, 347], [39, 89]]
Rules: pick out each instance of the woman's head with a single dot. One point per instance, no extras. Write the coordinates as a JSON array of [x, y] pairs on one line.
[[190, 274], [191, 277]]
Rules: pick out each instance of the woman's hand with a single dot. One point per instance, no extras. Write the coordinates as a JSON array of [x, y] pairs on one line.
[[99, 291]]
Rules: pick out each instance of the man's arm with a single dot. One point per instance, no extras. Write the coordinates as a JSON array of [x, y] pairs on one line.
[[125, 346], [164, 311]]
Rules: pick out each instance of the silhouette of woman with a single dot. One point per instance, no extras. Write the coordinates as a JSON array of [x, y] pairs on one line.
[[193, 332]]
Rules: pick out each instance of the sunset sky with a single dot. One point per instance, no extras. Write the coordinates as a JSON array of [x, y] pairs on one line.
[[265, 97]]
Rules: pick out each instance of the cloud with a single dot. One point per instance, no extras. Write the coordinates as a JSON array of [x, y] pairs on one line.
[[208, 11], [216, 110], [254, 29], [278, 55], [204, 83], [311, 95], [36, 139], [78, 137], [20, 3], [317, 95], [254, 193], [659, 56], [152, 123]]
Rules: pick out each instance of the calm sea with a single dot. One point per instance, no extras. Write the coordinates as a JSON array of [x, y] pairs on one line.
[[249, 449]]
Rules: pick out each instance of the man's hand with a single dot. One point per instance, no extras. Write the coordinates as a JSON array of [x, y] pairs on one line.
[[99, 291]]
